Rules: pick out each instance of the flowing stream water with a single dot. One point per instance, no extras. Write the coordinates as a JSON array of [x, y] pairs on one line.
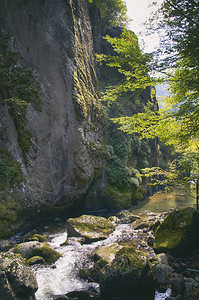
[[62, 277]]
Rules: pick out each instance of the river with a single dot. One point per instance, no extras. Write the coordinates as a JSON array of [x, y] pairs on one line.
[[62, 277]]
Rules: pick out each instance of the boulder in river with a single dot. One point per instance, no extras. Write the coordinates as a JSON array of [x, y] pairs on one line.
[[178, 233], [17, 281], [31, 249], [107, 253], [128, 275], [161, 271], [92, 228], [102, 257]]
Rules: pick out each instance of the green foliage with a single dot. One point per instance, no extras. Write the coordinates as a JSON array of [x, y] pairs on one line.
[[18, 88], [10, 171], [17, 84], [113, 12], [117, 172], [178, 122], [130, 62], [25, 138]]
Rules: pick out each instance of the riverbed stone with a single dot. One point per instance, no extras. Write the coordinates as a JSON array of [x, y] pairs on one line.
[[92, 228], [33, 248], [161, 271], [128, 275], [178, 233], [17, 280], [36, 260], [107, 253], [126, 217], [5, 245], [102, 257]]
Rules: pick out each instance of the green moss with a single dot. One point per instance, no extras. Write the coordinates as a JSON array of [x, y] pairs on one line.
[[127, 276], [85, 95], [38, 237], [36, 260], [178, 234], [10, 171], [91, 227], [21, 89], [49, 255], [106, 253], [8, 216], [117, 198]]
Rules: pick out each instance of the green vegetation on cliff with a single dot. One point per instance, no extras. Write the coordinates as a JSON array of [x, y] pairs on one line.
[[18, 88], [113, 12]]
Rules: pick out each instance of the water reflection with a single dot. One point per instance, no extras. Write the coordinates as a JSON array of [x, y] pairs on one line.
[[164, 202]]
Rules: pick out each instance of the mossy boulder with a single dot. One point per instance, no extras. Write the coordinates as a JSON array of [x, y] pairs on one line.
[[17, 281], [49, 255], [36, 260], [178, 233], [38, 237], [107, 253], [126, 217], [90, 227], [102, 257], [33, 248], [128, 275]]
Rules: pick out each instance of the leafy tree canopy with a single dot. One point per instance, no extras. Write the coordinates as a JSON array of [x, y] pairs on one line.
[[178, 122], [113, 12]]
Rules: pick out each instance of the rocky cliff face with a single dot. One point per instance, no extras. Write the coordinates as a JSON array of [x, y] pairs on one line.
[[64, 149], [53, 150]]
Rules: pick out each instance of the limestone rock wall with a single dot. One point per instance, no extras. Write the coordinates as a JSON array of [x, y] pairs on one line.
[[67, 144]]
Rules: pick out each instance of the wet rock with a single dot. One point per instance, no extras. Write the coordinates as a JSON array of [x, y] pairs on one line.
[[150, 241], [92, 228], [114, 219], [76, 295], [30, 249], [140, 224], [17, 281], [28, 235], [107, 253], [26, 249], [126, 217], [36, 260], [102, 257], [177, 285], [92, 274], [38, 238], [128, 275], [5, 245], [178, 233], [161, 271]]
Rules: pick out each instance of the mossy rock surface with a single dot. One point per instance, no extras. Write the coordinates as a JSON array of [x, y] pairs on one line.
[[39, 238], [127, 217], [33, 248], [90, 227], [178, 233], [17, 281], [47, 253], [36, 260], [107, 253], [128, 275]]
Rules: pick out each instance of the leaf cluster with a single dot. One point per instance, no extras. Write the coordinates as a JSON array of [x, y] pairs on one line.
[[113, 12], [130, 62]]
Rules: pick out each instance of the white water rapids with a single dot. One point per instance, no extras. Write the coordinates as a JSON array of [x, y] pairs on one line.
[[62, 277]]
